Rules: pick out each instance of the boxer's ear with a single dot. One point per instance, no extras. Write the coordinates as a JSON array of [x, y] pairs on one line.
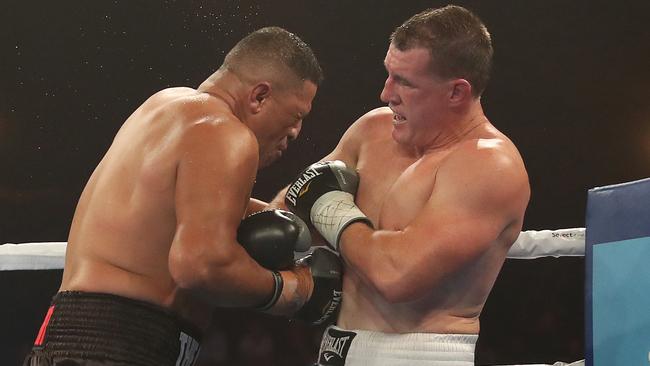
[[258, 96], [461, 92]]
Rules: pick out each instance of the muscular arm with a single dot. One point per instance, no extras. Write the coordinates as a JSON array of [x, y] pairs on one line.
[[477, 194], [214, 180]]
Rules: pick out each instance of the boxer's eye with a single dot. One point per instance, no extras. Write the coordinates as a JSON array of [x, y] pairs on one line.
[[400, 80]]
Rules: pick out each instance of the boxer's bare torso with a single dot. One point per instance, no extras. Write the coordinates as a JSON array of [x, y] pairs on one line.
[[445, 288], [126, 218]]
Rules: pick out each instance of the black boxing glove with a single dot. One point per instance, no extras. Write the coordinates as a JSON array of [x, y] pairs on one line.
[[271, 237], [327, 271], [323, 194]]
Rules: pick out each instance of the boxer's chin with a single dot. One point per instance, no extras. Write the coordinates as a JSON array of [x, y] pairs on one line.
[[401, 134]]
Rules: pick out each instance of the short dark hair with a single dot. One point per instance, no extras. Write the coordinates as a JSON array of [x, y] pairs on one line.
[[458, 42], [277, 49]]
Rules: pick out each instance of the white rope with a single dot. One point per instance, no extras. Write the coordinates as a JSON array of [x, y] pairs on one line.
[[35, 256], [549, 243], [530, 245]]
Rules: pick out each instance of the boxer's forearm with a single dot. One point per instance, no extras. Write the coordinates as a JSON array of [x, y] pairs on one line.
[[225, 276], [380, 258], [278, 200], [255, 205], [237, 287]]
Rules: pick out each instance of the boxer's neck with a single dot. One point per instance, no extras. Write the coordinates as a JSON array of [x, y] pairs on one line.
[[228, 88], [451, 129]]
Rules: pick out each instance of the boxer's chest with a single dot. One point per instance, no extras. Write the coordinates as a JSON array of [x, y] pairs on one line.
[[393, 189]]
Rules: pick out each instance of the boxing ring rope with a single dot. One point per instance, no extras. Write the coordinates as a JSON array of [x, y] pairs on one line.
[[530, 244]]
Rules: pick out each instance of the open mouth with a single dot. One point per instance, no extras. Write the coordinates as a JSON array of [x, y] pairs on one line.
[[398, 119]]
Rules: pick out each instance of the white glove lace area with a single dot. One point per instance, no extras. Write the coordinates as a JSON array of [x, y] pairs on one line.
[[332, 213]]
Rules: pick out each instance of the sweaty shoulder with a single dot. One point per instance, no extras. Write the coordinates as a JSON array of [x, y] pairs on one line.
[[205, 124], [222, 135], [186, 105]]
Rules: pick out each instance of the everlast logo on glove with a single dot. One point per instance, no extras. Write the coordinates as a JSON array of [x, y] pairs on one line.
[[323, 195], [334, 347], [295, 190], [189, 350], [331, 308], [326, 270]]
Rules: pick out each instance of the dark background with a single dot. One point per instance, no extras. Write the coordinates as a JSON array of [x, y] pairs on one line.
[[570, 87]]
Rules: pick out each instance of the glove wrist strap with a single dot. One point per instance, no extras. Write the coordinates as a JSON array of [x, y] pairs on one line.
[[333, 212], [278, 285]]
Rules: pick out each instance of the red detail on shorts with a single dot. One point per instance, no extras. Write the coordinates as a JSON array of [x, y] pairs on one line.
[[41, 333]]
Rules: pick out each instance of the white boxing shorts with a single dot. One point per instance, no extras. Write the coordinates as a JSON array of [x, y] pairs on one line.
[[361, 347]]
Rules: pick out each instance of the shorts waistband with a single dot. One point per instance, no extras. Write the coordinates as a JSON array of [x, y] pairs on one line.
[[360, 347], [105, 326]]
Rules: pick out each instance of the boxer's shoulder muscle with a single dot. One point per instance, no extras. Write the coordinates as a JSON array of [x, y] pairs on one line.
[[219, 132], [366, 129], [493, 167], [374, 124], [181, 105]]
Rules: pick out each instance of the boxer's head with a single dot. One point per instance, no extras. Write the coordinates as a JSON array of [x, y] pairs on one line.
[[279, 75], [438, 61]]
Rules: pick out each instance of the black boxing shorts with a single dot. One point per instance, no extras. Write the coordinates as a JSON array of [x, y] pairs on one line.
[[83, 328]]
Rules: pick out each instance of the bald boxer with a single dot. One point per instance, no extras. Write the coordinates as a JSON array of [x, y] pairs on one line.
[[439, 199], [154, 245]]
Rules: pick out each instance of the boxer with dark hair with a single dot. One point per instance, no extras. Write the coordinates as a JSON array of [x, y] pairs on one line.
[[154, 245], [440, 197]]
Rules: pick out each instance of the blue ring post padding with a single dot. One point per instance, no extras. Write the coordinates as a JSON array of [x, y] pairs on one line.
[[617, 288]]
